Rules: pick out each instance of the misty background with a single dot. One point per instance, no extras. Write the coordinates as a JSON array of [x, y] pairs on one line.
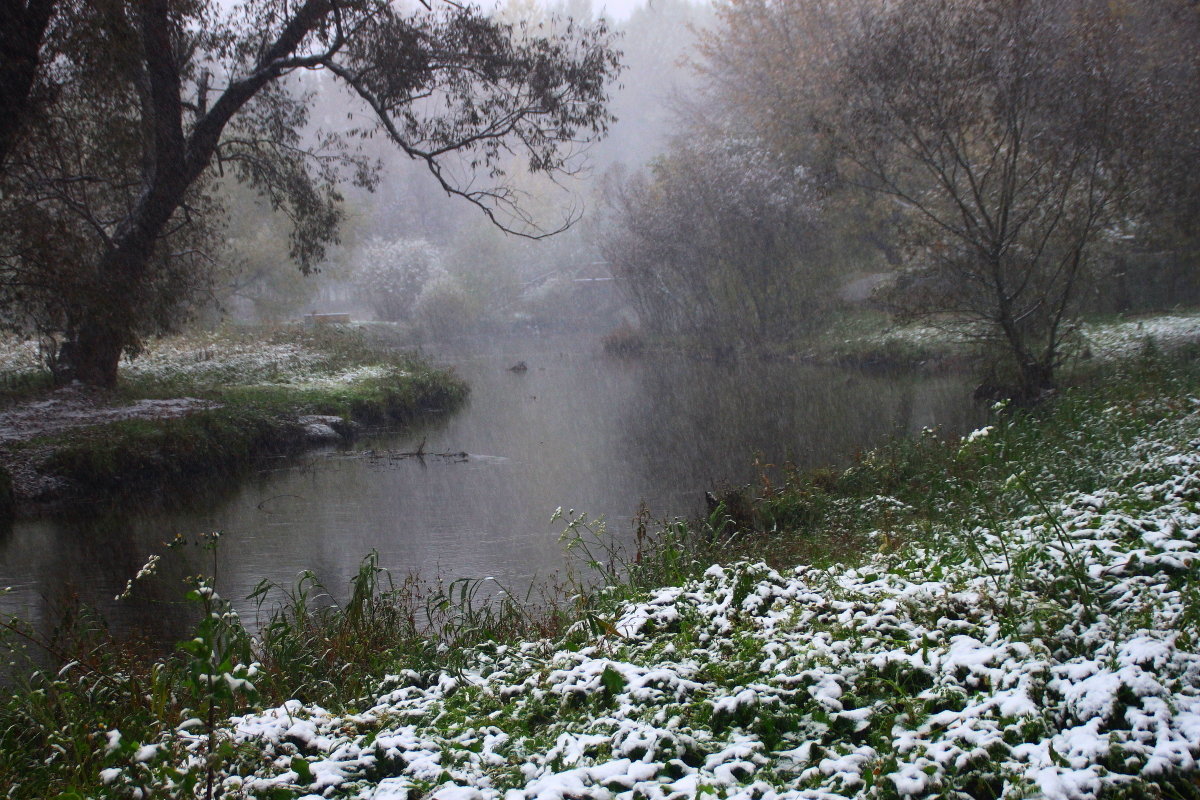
[[434, 265]]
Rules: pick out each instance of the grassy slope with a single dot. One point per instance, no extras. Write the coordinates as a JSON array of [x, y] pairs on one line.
[[263, 380], [1012, 615]]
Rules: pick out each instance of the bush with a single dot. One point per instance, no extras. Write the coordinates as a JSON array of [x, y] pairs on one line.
[[445, 309], [390, 275]]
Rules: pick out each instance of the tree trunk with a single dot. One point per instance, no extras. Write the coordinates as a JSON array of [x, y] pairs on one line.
[[94, 353], [108, 323], [22, 33], [1036, 378]]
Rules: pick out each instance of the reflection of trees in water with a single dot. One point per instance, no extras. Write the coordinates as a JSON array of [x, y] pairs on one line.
[[84, 560], [577, 430], [703, 423], [77, 570]]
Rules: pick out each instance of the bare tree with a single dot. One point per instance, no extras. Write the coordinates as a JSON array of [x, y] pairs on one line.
[[1008, 135], [170, 89]]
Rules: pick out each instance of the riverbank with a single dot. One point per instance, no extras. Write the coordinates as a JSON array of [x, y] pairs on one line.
[[1012, 613], [872, 340], [201, 408], [868, 339]]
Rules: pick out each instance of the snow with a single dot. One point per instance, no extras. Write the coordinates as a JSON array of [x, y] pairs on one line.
[[1109, 341], [915, 674], [1126, 337], [75, 406]]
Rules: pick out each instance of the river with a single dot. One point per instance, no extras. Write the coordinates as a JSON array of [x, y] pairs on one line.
[[577, 429]]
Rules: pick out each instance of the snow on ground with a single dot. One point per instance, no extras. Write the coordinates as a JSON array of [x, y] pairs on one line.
[[203, 360], [1048, 656], [17, 355], [224, 361], [75, 406], [1122, 339], [1109, 340], [220, 358], [198, 361], [65, 409]]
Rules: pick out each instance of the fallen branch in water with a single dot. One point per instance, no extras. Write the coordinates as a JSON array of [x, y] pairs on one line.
[[398, 455]]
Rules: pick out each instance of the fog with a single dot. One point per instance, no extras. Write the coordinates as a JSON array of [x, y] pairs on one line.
[[474, 275]]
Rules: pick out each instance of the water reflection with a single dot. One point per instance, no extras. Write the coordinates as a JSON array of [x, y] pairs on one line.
[[577, 430]]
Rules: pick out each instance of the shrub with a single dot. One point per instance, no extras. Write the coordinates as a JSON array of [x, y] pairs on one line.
[[390, 275]]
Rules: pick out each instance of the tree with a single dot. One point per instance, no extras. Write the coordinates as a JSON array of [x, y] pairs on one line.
[[766, 63], [23, 28], [153, 94], [1008, 135], [719, 240], [1167, 33]]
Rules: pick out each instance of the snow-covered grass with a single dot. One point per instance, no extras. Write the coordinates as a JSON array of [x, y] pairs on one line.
[[19, 355], [1031, 631], [290, 355], [1116, 339], [244, 392], [1017, 615], [285, 356], [873, 338], [1108, 339]]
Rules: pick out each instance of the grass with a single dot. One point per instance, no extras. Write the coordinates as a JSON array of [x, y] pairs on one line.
[[929, 481], [870, 338], [263, 380], [128, 458], [933, 507]]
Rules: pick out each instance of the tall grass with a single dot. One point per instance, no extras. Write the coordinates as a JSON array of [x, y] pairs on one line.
[[57, 725]]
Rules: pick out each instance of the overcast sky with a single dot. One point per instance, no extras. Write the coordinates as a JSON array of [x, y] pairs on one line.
[[616, 10]]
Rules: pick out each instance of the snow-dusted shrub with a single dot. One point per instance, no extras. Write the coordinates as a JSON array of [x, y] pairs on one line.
[[445, 308], [389, 275]]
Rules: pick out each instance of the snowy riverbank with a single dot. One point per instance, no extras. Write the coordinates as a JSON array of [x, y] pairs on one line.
[[202, 404], [1108, 340], [1046, 650]]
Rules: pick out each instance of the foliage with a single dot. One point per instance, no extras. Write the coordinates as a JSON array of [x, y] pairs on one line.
[[446, 309], [391, 275], [1020, 159], [720, 240], [1010, 139], [936, 504], [109, 195], [1165, 33], [254, 276], [974, 604], [260, 382]]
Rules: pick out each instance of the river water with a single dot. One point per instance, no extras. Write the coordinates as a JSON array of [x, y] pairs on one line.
[[577, 429]]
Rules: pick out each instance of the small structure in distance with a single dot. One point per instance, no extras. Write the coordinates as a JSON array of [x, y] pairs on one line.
[[333, 318]]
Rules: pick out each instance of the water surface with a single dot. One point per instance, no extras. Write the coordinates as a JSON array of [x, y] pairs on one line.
[[577, 430]]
